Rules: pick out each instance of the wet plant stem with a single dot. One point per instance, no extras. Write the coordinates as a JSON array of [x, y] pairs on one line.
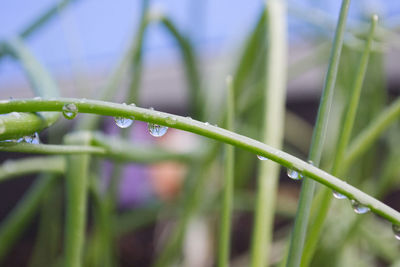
[[342, 144], [317, 143], [213, 132]]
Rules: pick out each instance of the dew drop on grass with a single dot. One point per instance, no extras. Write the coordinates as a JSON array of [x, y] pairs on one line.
[[396, 231], [261, 157], [157, 130], [295, 175], [70, 111], [123, 122], [337, 195], [32, 139], [358, 207]]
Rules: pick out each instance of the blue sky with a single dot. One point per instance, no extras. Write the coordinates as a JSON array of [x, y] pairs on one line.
[[93, 33]]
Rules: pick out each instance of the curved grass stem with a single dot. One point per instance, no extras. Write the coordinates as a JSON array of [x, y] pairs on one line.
[[213, 132]]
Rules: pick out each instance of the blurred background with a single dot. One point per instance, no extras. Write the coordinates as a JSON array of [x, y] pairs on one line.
[[85, 41]]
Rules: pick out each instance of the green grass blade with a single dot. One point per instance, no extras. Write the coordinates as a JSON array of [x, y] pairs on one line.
[[41, 20], [275, 97], [343, 140], [132, 60], [49, 233], [45, 18], [136, 60], [196, 97], [228, 185], [12, 227], [197, 178], [122, 150], [17, 125], [50, 149], [76, 199], [367, 137], [14, 168], [317, 143], [212, 132]]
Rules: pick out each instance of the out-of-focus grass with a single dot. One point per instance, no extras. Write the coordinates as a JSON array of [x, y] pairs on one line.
[[198, 198]]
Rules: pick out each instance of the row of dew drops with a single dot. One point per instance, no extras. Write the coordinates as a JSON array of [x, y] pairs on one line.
[[70, 111], [357, 206]]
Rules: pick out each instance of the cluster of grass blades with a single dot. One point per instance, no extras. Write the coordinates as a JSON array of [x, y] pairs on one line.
[[263, 73]]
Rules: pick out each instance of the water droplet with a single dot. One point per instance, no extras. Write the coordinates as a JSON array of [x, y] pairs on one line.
[[261, 157], [157, 130], [206, 123], [69, 111], [31, 139], [295, 175], [358, 207], [123, 122], [338, 195], [396, 231]]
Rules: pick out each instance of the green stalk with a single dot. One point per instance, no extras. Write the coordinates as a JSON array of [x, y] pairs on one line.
[[192, 194], [132, 58], [48, 238], [12, 227], [45, 18], [129, 221], [369, 135], [317, 143], [137, 64], [14, 126], [122, 150], [50, 149], [41, 20], [226, 213], [196, 97], [107, 147], [76, 198], [275, 96], [20, 167], [43, 85], [213, 132], [343, 140]]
